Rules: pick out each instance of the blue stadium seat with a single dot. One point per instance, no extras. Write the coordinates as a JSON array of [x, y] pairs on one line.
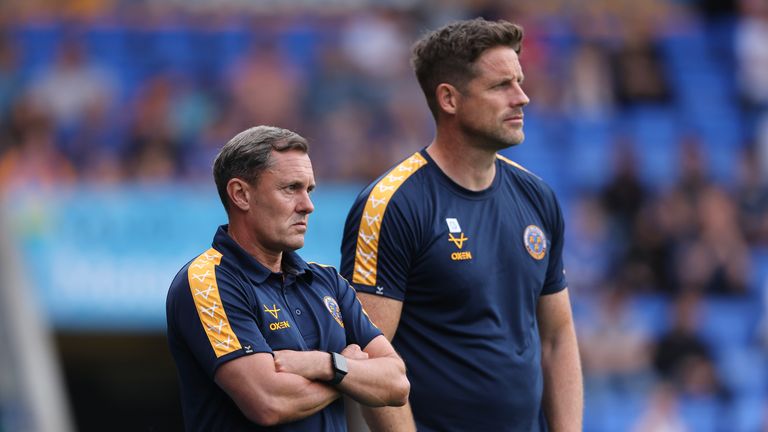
[[758, 283], [590, 160], [655, 131], [37, 45], [744, 371], [701, 414], [748, 414], [542, 151], [652, 312], [302, 43], [729, 323], [610, 411], [215, 50], [172, 49]]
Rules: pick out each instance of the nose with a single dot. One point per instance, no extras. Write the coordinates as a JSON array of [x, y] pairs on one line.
[[519, 98], [305, 205]]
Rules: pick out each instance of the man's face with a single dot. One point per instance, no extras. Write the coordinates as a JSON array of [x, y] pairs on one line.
[[490, 107], [280, 203]]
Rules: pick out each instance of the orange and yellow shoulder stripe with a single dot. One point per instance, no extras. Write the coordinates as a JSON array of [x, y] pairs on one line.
[[205, 292], [515, 164], [366, 254]]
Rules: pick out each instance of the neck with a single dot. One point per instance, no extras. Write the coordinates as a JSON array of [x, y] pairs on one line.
[[269, 259], [471, 167]]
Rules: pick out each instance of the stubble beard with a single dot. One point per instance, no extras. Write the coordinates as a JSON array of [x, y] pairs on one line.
[[498, 139]]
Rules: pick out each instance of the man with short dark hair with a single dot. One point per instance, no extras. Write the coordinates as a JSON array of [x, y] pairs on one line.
[[263, 340], [456, 253]]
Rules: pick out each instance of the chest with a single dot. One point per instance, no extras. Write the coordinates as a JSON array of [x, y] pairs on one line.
[[298, 317], [488, 251]]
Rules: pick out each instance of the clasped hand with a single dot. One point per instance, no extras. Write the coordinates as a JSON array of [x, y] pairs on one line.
[[313, 365]]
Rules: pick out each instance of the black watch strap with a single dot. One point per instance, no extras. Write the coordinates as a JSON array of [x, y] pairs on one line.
[[339, 366]]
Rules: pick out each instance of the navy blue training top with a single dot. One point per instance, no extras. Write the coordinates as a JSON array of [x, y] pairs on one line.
[[224, 304], [469, 267]]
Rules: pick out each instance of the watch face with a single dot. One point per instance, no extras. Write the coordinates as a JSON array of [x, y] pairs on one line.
[[340, 363]]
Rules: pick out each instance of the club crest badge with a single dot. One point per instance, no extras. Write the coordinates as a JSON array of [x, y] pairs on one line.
[[333, 308], [535, 242]]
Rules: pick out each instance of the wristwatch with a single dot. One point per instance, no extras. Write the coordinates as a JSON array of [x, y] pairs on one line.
[[339, 365]]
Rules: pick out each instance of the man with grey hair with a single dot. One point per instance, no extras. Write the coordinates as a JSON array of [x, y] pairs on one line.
[[260, 337]]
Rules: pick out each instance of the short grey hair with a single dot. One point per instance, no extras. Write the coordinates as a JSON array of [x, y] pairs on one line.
[[247, 155]]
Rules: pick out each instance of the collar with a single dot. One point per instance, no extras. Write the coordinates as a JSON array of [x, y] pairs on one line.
[[292, 263]]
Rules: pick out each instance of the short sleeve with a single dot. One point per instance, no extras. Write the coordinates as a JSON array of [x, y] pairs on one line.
[[555, 280], [211, 314], [358, 327], [378, 241], [376, 257]]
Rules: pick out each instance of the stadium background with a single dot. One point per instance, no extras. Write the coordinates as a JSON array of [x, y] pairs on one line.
[[648, 118]]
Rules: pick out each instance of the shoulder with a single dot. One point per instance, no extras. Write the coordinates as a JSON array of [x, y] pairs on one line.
[[396, 183], [199, 271], [326, 273], [319, 269], [526, 179]]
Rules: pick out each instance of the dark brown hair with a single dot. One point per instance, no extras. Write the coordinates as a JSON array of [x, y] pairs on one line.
[[447, 55]]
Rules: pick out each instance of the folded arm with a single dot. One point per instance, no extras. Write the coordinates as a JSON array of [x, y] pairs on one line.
[[376, 374], [267, 396]]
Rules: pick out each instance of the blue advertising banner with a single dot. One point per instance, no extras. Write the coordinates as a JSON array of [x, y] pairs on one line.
[[103, 258]]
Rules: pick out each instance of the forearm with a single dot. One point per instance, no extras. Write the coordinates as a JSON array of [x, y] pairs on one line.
[[385, 419], [299, 397], [376, 382], [267, 396], [563, 388]]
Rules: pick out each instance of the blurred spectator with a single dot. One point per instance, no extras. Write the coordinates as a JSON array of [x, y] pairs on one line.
[[591, 247], [624, 195], [198, 159], [72, 87], [638, 69], [682, 357], [761, 140], [32, 159], [410, 127], [710, 251], [152, 149], [752, 197], [662, 413], [716, 261], [665, 224], [694, 171], [592, 92], [339, 144], [377, 42], [752, 52], [648, 265], [615, 348], [10, 75], [95, 147], [265, 88]]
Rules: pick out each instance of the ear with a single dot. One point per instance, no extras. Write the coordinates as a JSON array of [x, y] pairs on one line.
[[447, 97], [239, 194]]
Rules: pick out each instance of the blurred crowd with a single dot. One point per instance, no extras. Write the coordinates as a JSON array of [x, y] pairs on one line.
[[649, 118]]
